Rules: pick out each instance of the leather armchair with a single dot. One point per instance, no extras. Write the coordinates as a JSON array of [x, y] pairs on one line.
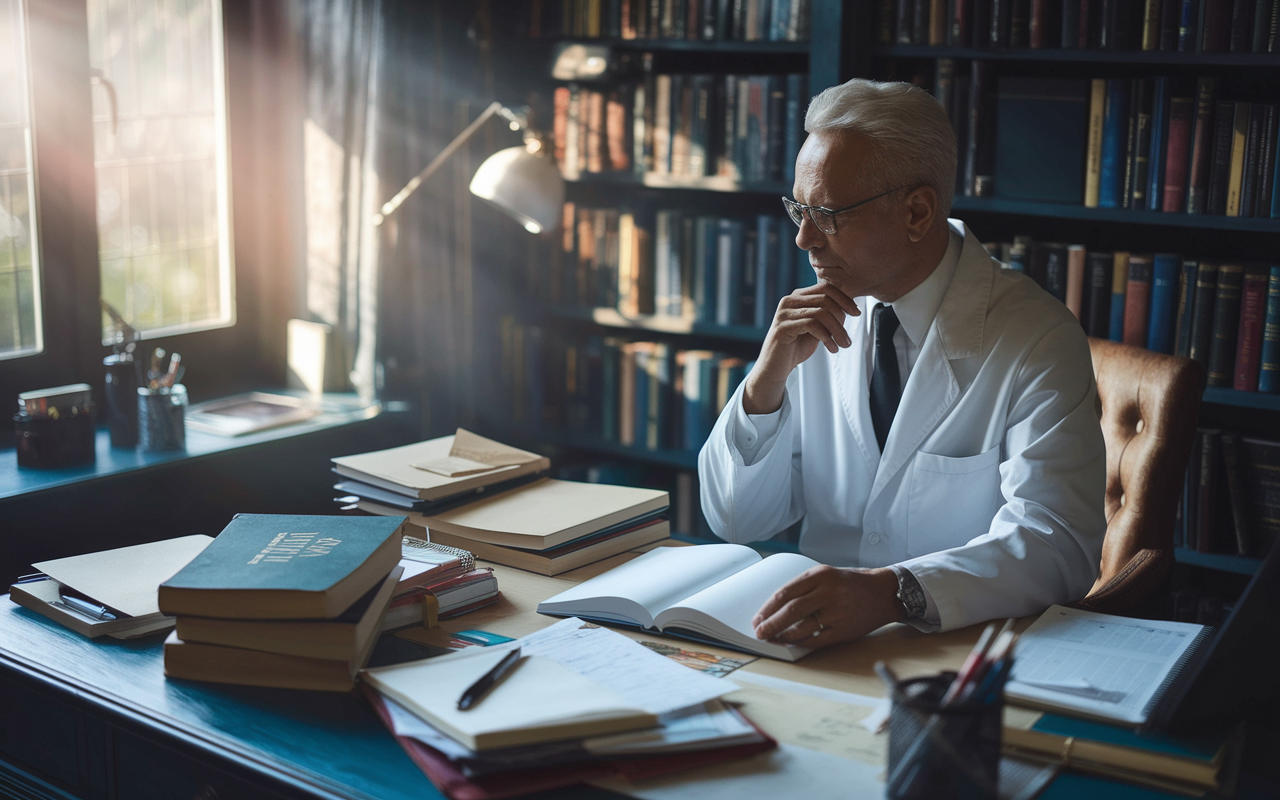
[[1148, 405]]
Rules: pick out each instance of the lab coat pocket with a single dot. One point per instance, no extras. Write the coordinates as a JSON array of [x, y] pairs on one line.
[[952, 500]]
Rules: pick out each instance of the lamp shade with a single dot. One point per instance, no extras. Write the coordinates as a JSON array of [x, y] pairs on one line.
[[524, 185]]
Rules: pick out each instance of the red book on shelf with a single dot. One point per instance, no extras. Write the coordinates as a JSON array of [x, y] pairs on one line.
[[1176, 154], [1253, 308], [1039, 23], [1137, 300]]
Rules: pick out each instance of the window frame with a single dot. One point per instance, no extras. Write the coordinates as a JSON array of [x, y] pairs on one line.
[[263, 236]]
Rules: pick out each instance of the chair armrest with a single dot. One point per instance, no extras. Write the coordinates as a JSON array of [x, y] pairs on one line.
[[1138, 581]]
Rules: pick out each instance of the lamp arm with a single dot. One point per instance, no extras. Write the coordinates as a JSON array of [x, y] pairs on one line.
[[389, 207]]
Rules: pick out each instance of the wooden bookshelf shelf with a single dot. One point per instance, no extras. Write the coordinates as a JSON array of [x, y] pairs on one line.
[[1243, 565], [689, 45], [611, 318], [705, 183], [1232, 397], [997, 205], [1144, 57]]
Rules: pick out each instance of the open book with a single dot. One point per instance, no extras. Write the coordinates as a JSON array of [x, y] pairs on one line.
[[706, 593]]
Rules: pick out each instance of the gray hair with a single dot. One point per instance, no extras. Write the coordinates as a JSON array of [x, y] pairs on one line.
[[913, 143]]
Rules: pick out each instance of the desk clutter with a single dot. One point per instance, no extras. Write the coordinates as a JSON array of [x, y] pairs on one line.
[[496, 501]]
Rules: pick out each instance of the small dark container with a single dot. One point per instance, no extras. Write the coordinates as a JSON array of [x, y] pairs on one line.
[[162, 419], [63, 438], [958, 757], [122, 402]]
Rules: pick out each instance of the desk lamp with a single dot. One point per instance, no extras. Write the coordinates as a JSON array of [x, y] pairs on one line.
[[519, 180]]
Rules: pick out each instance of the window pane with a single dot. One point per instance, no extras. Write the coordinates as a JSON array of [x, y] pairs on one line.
[[20, 329], [163, 214]]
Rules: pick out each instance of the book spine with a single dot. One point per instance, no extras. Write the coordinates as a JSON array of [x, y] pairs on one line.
[[999, 33], [1215, 26], [1164, 281], [1119, 286], [904, 27], [1239, 136], [1263, 11], [1220, 160], [1201, 146], [1114, 125], [1226, 319], [1141, 146], [1093, 151], [1249, 334], [1186, 306], [1252, 147], [1075, 280], [1241, 37], [1055, 270], [1151, 25], [1207, 494], [1038, 33], [1188, 27], [1230, 444], [1070, 24], [1202, 314], [1267, 160], [1139, 126], [1154, 200], [1170, 14], [1176, 155], [1098, 304], [1137, 300], [1269, 360], [1020, 24]]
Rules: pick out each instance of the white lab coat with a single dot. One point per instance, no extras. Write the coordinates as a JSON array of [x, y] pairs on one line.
[[990, 487]]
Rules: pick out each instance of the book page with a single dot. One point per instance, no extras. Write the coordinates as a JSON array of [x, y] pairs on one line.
[[638, 590], [724, 610], [1097, 664]]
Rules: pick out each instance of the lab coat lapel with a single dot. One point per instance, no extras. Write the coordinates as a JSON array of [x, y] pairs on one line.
[[932, 388], [851, 374]]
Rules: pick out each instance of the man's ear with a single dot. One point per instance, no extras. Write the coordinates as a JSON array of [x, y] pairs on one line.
[[922, 206]]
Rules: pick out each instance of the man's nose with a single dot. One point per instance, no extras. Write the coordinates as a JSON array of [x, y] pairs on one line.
[[808, 236]]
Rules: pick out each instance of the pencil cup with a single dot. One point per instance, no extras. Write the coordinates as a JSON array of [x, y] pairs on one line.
[[161, 418], [942, 753]]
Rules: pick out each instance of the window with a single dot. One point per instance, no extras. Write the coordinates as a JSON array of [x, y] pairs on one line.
[[160, 160], [20, 328]]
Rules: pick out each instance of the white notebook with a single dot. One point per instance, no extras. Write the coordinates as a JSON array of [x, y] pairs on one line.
[[708, 593]]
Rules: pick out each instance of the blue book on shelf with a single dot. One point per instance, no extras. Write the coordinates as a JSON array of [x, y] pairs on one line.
[[1159, 134], [766, 251], [1115, 126], [729, 244], [705, 265], [1164, 297], [609, 362], [793, 134], [1269, 372], [1186, 306], [643, 357]]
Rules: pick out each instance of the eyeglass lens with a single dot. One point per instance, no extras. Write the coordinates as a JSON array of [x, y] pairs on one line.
[[824, 221]]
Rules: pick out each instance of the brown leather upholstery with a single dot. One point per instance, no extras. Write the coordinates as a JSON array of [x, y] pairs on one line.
[[1148, 405]]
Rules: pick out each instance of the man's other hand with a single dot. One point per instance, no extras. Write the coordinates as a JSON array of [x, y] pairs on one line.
[[828, 605], [806, 318]]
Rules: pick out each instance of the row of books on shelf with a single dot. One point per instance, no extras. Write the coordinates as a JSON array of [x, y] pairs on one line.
[[743, 128], [705, 20], [1189, 26], [648, 395], [1225, 315], [1148, 143], [1231, 498], [714, 270]]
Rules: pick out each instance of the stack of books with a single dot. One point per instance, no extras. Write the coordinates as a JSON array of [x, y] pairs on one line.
[[284, 601], [437, 579], [491, 507], [559, 708]]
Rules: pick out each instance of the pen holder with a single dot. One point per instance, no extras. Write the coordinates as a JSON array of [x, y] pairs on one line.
[[122, 403], [161, 418], [942, 753]]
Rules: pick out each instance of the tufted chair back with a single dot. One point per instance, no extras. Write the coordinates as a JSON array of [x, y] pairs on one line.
[[1149, 404]]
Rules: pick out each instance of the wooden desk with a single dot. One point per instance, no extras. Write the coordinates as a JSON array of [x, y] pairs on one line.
[[97, 719]]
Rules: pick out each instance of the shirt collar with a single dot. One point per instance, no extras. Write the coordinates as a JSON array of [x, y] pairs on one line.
[[917, 308]]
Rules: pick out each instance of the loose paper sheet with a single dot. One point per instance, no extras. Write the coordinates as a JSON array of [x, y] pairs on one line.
[[128, 578], [486, 451]]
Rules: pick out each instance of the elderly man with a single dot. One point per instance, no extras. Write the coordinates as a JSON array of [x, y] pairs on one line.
[[929, 417]]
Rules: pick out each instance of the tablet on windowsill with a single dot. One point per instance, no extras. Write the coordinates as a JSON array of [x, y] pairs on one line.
[[249, 413]]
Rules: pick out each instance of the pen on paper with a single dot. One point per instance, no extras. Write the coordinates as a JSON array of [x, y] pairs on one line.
[[94, 612], [476, 691]]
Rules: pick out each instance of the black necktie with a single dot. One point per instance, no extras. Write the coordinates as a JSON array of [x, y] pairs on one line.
[[886, 386]]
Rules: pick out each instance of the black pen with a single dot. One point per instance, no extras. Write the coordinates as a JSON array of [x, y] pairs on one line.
[[477, 690]]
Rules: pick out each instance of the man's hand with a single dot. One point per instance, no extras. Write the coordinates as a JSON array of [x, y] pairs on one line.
[[828, 605], [805, 318]]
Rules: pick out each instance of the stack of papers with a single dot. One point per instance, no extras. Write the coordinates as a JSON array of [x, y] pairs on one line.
[[582, 695]]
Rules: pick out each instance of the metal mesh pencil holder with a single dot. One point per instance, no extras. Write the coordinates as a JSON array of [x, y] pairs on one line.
[[938, 753]]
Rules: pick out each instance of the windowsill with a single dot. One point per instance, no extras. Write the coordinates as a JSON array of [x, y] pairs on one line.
[[336, 410]]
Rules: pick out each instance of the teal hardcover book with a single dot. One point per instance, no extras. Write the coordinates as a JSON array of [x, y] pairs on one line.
[[283, 566]]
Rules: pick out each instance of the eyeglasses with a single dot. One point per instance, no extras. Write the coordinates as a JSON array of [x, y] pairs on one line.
[[824, 218]]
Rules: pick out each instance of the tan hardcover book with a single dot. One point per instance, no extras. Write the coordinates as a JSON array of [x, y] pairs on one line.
[[662, 124], [408, 470], [340, 639], [538, 701], [567, 557], [543, 514], [1239, 133], [1093, 152]]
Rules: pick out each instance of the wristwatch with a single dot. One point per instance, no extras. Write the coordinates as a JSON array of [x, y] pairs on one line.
[[910, 593]]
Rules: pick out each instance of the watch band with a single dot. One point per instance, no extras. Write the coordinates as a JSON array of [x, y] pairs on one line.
[[910, 593]]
